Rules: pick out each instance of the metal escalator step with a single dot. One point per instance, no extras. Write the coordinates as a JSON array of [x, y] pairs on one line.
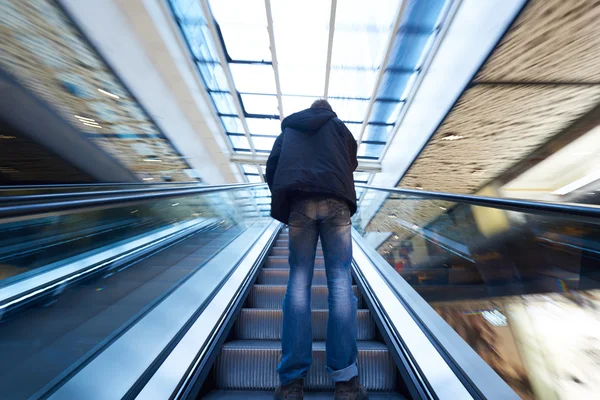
[[266, 324], [271, 296], [252, 364], [282, 243], [268, 395], [282, 262], [285, 251], [279, 276]]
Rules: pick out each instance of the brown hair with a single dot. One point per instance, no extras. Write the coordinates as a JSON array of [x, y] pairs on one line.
[[322, 103]]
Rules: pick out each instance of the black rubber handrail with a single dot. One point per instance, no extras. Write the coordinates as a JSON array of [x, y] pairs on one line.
[[567, 210], [118, 199], [74, 185], [27, 198]]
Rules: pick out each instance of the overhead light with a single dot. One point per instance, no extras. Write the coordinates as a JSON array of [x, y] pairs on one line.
[[92, 124], [152, 159], [579, 183], [443, 208], [392, 216], [7, 137], [85, 119], [415, 226], [396, 237], [148, 179], [174, 204], [114, 96], [134, 211], [453, 137]]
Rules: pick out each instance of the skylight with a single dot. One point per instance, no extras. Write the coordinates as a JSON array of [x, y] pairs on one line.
[[262, 60]]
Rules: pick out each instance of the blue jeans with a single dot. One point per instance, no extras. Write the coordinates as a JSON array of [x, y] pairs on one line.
[[330, 219]]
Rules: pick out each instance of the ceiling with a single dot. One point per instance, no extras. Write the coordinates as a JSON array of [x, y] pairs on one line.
[[542, 77], [44, 50], [261, 60]]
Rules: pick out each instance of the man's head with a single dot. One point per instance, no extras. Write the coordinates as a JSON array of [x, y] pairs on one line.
[[322, 103]]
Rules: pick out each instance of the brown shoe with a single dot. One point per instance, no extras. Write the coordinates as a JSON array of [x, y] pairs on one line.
[[350, 390], [290, 391]]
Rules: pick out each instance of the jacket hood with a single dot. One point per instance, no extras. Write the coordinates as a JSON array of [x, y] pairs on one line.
[[309, 120]]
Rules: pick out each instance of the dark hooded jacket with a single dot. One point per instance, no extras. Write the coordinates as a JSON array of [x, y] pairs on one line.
[[314, 154]]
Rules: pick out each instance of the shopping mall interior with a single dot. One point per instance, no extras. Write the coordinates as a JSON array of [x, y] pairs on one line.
[[138, 256]]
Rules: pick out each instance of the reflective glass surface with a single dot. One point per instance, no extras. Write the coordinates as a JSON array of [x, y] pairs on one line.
[[51, 335], [522, 289]]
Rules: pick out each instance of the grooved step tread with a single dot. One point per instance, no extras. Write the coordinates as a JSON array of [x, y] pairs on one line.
[[279, 276], [252, 364], [266, 324], [268, 395], [271, 296], [283, 263]]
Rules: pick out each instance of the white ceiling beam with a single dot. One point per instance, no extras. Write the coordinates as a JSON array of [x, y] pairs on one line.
[[384, 63], [261, 159], [330, 46], [223, 61], [274, 56]]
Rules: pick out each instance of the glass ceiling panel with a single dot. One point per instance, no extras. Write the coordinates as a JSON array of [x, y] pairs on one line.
[[188, 9], [386, 112], [378, 133], [361, 176], [197, 35], [224, 103], [362, 30], [370, 150], [260, 104], [239, 142], [253, 179], [243, 25], [303, 81], [408, 50], [349, 109], [293, 104], [214, 77], [396, 85], [249, 169], [232, 124], [355, 129], [253, 78], [301, 31], [263, 143], [264, 126], [425, 13], [352, 83]]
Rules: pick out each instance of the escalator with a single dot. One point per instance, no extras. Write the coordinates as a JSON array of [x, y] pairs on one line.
[[188, 306], [246, 366]]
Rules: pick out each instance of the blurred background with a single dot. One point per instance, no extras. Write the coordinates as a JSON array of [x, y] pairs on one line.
[[494, 98]]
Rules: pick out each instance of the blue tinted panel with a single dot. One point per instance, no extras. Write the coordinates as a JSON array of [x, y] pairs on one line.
[[378, 133], [370, 150], [213, 76], [407, 50], [224, 103], [394, 85], [424, 13], [386, 112], [232, 124]]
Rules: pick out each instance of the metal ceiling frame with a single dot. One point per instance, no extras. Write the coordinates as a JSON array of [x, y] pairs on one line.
[[274, 56], [451, 10], [330, 47], [210, 21], [259, 159], [382, 69]]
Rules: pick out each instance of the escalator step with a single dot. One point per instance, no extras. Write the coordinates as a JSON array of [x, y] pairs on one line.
[[252, 364], [268, 395], [266, 324], [282, 262], [282, 243], [279, 276], [285, 251], [271, 296]]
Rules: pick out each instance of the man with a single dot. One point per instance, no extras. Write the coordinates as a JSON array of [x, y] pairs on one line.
[[309, 173]]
